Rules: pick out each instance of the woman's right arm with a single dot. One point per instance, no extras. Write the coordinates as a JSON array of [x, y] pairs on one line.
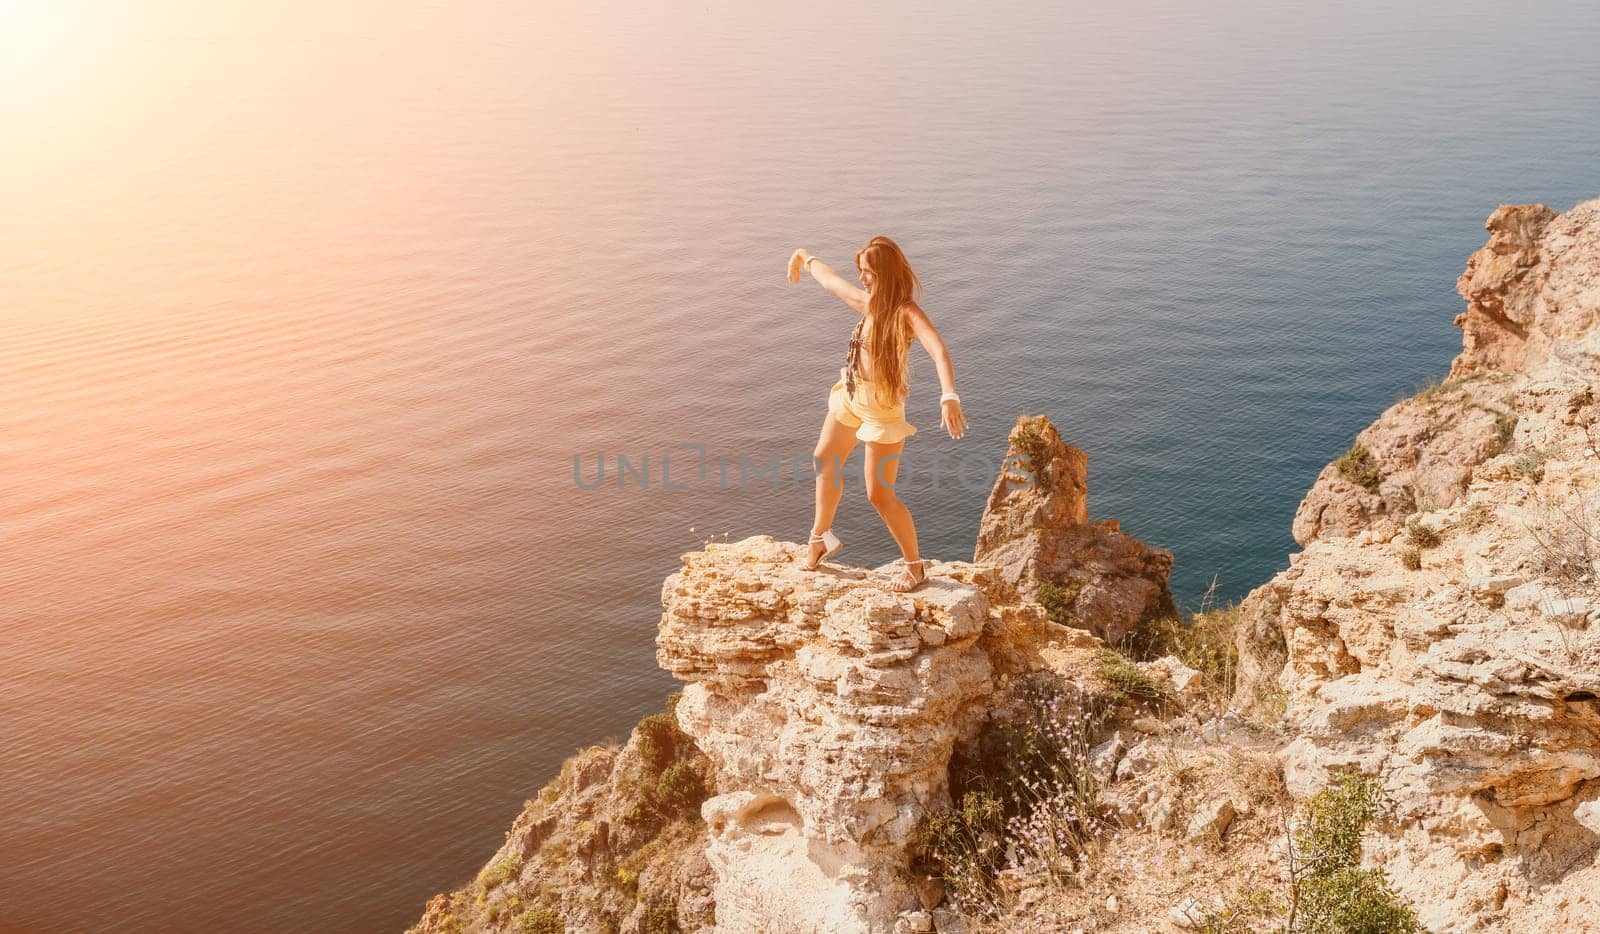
[[838, 285]]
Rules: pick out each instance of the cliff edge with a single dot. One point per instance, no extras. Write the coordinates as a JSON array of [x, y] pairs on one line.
[[1400, 731], [791, 783], [1440, 625]]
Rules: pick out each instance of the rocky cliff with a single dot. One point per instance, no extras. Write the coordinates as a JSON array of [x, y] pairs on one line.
[[975, 756], [830, 708], [1440, 624]]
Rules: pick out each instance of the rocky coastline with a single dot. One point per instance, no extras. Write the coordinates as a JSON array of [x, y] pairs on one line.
[[1039, 740]]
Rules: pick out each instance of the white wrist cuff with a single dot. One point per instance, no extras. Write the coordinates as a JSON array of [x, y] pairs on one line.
[[946, 397]]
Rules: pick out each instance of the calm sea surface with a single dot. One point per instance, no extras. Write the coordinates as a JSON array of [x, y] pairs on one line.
[[307, 309]]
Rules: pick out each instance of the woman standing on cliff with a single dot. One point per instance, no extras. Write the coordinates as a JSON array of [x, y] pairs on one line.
[[868, 402]]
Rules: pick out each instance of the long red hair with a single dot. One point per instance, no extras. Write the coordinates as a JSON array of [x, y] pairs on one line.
[[893, 285]]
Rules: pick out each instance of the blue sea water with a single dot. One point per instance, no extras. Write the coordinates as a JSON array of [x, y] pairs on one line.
[[307, 315]]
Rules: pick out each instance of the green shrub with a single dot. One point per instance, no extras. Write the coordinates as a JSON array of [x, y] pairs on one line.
[[1206, 643], [638, 811], [449, 924], [1058, 600], [658, 741], [541, 920], [965, 847], [1530, 464], [1358, 466], [659, 918], [1328, 891], [1127, 683], [1332, 894], [1331, 821], [680, 789], [664, 783], [502, 870], [1352, 901], [627, 879]]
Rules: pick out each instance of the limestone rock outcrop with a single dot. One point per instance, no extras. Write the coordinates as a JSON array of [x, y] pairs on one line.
[[1526, 290], [1036, 529], [1531, 297], [1441, 627], [829, 707]]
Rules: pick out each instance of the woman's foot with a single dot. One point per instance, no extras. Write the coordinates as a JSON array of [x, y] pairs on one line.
[[822, 546], [907, 580]]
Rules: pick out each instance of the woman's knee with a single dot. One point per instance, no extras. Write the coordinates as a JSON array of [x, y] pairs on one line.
[[828, 462], [881, 495]]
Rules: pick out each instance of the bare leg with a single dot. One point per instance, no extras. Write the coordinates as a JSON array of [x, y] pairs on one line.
[[833, 448], [882, 467]]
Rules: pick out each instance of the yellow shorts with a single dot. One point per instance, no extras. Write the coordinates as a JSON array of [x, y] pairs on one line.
[[885, 424]]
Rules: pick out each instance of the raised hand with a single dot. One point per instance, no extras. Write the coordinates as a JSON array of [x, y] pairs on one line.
[[797, 262]]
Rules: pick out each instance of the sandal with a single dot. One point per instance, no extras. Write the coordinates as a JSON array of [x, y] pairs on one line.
[[830, 544], [905, 581]]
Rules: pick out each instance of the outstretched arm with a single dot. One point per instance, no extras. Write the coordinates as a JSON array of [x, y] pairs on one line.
[[950, 414], [838, 285]]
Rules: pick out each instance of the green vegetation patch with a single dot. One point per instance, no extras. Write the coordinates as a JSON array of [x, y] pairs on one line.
[[541, 920], [502, 870], [1530, 464], [1207, 643], [1023, 790], [659, 918], [1334, 895], [1058, 599], [1328, 891], [1358, 466], [1128, 684], [680, 789], [1028, 437]]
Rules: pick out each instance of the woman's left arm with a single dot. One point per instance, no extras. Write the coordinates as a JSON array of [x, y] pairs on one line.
[[951, 416]]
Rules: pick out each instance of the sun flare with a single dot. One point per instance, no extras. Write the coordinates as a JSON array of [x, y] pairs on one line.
[[35, 40]]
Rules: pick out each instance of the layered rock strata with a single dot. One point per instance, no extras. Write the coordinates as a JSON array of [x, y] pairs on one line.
[[1441, 628], [829, 707]]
